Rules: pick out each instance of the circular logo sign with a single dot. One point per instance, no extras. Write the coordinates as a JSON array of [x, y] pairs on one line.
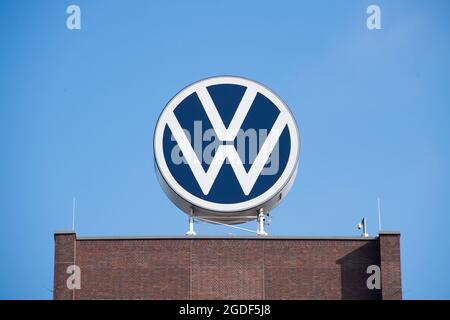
[[226, 147]]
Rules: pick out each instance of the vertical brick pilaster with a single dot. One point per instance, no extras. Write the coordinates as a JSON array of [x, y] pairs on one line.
[[391, 280], [64, 257]]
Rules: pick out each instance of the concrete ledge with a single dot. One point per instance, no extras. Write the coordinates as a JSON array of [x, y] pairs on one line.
[[389, 232], [65, 232], [226, 238]]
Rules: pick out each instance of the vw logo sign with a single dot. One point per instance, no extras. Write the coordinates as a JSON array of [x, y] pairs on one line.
[[226, 147]]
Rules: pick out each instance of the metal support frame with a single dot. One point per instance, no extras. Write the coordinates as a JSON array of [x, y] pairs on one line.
[[260, 224], [225, 225]]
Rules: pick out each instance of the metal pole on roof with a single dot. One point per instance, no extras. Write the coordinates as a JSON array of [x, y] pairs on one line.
[[191, 231], [73, 214], [261, 219], [379, 214]]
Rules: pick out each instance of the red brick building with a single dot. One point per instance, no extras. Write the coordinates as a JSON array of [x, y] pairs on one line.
[[227, 267]]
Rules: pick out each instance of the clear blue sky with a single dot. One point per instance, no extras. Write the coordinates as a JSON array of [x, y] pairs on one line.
[[78, 110]]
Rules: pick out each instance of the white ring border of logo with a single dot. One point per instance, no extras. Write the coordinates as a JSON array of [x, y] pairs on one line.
[[289, 170]]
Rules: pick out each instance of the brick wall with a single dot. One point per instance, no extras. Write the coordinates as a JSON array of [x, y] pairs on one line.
[[227, 268], [391, 279]]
